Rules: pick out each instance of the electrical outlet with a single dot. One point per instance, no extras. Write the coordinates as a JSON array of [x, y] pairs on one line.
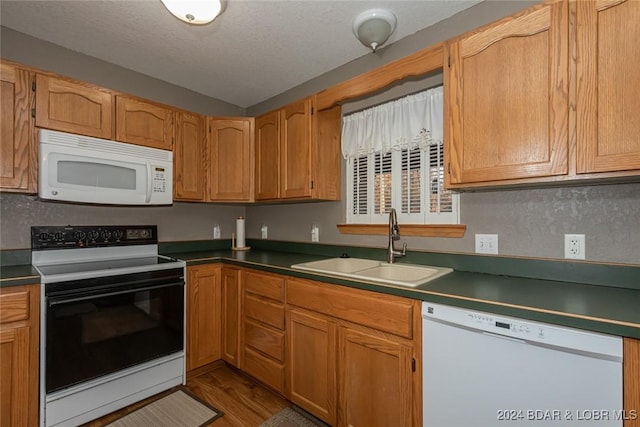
[[487, 243], [315, 233], [216, 231], [264, 231], [574, 246]]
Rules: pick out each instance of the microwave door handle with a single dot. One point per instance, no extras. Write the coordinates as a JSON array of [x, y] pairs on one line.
[[149, 181]]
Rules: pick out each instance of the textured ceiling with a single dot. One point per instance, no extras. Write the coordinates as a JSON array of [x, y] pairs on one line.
[[253, 51]]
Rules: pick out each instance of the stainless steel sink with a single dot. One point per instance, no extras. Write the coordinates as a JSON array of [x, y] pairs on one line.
[[410, 275]]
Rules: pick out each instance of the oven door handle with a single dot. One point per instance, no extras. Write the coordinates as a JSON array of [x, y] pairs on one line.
[[57, 301]]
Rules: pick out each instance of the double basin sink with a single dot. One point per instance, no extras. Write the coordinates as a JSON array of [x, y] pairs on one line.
[[409, 275]]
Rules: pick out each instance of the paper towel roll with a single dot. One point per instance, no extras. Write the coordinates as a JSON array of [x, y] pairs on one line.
[[240, 232]]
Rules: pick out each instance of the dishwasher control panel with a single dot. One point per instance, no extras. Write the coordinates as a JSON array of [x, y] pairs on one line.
[[532, 332], [503, 325]]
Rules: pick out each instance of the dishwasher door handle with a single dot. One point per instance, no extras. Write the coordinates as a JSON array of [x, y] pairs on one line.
[[504, 337]]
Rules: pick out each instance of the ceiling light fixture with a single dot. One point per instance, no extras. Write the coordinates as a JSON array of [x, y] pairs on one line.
[[197, 12], [373, 27]]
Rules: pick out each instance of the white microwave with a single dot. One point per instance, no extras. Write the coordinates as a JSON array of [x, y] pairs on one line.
[[82, 169]]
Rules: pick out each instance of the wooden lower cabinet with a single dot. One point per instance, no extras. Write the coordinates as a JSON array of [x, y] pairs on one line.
[[375, 380], [19, 332], [263, 328], [631, 361], [311, 367], [352, 355], [230, 281], [204, 303]]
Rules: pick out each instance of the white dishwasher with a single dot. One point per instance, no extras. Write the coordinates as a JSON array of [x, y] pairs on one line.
[[485, 370]]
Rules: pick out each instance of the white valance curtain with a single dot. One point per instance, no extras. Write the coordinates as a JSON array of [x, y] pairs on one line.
[[406, 123]]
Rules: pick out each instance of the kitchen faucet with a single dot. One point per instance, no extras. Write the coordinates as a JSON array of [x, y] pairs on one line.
[[394, 234]]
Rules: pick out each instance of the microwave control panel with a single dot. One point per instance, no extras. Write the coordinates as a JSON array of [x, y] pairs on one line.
[[159, 180], [91, 236]]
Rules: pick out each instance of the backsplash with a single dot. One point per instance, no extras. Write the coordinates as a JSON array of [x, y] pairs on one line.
[[529, 222], [181, 221]]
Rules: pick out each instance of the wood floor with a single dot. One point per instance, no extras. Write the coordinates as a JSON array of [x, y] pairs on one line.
[[244, 402]]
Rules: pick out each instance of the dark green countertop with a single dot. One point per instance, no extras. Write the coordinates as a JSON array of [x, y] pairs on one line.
[[597, 308], [13, 275], [611, 310]]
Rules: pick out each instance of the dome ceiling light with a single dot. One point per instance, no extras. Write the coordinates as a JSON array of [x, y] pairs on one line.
[[198, 12], [373, 27]]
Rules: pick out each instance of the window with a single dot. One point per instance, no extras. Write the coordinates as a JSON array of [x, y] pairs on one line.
[[395, 159]]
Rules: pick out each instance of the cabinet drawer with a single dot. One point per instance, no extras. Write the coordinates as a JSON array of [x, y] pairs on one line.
[[264, 369], [264, 310], [14, 306], [386, 313], [266, 340], [265, 285]]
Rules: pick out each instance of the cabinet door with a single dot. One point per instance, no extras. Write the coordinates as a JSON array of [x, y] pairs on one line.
[[376, 382], [295, 155], [204, 301], [268, 156], [18, 161], [231, 315], [144, 123], [189, 157], [14, 345], [632, 382], [311, 369], [608, 103], [230, 159], [74, 107], [507, 98], [19, 325]]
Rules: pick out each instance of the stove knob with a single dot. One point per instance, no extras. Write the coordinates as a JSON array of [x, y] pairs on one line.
[[105, 234], [43, 236], [79, 235], [117, 234], [59, 236], [93, 235]]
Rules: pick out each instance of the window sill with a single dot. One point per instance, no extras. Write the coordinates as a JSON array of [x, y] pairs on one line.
[[423, 230]]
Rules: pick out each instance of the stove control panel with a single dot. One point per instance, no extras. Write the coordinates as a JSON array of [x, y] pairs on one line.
[[91, 236]]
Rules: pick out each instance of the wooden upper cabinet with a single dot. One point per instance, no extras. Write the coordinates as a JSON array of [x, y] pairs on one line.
[[267, 149], [189, 157], [608, 97], [144, 123], [74, 107], [295, 156], [231, 167], [298, 153], [18, 162], [506, 92]]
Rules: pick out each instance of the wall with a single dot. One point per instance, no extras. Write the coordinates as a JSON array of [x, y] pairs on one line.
[[529, 223], [28, 50], [480, 14], [181, 221]]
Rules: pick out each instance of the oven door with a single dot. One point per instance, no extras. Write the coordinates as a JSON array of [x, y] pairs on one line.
[[95, 327]]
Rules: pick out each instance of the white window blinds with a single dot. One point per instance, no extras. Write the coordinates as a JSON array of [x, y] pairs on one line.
[[395, 158]]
